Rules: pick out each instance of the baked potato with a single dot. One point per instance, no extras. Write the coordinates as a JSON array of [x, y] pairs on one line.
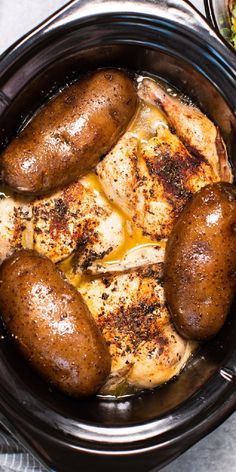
[[200, 262], [69, 135], [51, 324]]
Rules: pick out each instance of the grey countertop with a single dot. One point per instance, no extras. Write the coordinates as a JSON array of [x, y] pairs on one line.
[[217, 451]]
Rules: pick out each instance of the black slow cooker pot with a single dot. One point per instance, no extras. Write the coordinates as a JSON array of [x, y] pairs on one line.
[[167, 38]]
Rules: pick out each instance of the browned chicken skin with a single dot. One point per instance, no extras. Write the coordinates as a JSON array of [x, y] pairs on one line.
[[168, 176], [199, 134]]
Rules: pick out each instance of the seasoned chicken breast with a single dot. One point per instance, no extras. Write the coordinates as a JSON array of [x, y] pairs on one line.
[[199, 134], [168, 176], [76, 218], [73, 218], [15, 224], [130, 310]]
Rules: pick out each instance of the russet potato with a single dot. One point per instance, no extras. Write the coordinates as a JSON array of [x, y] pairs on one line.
[[70, 134], [51, 324], [200, 262]]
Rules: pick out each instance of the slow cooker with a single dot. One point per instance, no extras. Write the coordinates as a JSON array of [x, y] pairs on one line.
[[167, 39]]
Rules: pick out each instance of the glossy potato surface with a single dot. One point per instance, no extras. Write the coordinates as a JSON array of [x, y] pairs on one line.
[[52, 325], [200, 264], [70, 134]]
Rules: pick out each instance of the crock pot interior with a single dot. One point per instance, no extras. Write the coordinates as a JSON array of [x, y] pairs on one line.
[[49, 77]]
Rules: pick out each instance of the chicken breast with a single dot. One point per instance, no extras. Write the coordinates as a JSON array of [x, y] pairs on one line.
[[15, 224], [76, 218], [151, 180], [199, 134], [168, 176], [119, 172], [130, 310]]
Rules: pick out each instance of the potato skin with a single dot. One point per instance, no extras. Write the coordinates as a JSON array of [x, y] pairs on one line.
[[69, 135], [52, 325], [200, 262]]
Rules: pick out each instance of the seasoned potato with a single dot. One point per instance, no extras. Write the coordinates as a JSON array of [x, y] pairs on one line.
[[52, 325], [69, 135], [200, 264]]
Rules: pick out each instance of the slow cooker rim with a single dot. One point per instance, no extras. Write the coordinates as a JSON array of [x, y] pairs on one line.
[[197, 422]]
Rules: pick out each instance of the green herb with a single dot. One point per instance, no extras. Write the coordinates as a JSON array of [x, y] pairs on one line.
[[226, 32], [233, 26]]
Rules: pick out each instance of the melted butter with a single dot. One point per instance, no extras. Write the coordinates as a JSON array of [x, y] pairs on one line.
[[28, 236], [91, 180], [133, 236], [66, 266]]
